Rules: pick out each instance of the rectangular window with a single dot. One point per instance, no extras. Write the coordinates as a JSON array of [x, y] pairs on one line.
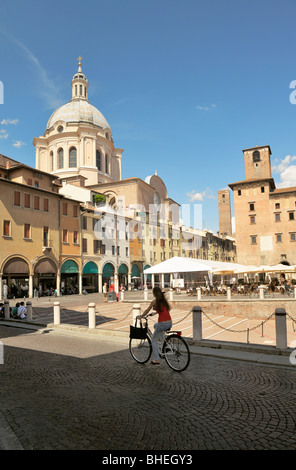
[[252, 219], [291, 216], [27, 231], [84, 223], [27, 200], [75, 211], [277, 205], [103, 249], [75, 237], [6, 228], [45, 236], [239, 192], [262, 189], [292, 237], [65, 208], [278, 237], [254, 239], [36, 203], [46, 204], [118, 250], [84, 245], [65, 235], [126, 251], [277, 217], [113, 250], [252, 206], [17, 198], [30, 181], [36, 184], [97, 246]]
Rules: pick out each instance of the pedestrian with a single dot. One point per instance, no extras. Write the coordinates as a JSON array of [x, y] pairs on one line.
[[162, 307], [15, 310], [22, 311], [105, 292]]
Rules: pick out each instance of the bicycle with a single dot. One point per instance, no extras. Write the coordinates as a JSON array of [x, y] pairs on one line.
[[174, 348]]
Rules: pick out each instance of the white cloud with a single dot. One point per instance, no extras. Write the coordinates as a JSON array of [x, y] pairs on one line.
[[281, 165], [3, 134], [205, 108], [6, 122], [286, 170], [195, 196], [288, 177], [18, 144]]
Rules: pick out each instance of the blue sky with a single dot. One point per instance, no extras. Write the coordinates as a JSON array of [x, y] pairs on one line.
[[185, 86]]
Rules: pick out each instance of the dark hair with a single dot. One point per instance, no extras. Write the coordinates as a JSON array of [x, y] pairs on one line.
[[161, 301]]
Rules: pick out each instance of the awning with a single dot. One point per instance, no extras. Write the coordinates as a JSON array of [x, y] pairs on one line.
[[90, 268], [70, 267], [45, 266], [16, 266], [123, 269], [108, 270]]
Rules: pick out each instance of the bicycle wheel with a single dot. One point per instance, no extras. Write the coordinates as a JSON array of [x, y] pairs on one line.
[[176, 353], [140, 349]]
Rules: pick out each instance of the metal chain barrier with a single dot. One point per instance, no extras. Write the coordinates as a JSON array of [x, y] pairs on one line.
[[239, 331]]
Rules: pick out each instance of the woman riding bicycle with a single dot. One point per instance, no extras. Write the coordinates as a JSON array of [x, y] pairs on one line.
[[162, 307]]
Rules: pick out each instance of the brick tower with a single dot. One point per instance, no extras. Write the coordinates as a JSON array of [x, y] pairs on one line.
[[224, 212]]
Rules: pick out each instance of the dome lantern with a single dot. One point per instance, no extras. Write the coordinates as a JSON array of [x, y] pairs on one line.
[[79, 84]]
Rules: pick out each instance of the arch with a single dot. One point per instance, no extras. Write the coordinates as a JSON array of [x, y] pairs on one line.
[[90, 268], [136, 271], [16, 265], [108, 270], [60, 159], [123, 269], [73, 157], [106, 163], [45, 265], [70, 267]]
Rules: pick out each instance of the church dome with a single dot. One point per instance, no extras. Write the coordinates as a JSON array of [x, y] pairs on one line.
[[78, 111]]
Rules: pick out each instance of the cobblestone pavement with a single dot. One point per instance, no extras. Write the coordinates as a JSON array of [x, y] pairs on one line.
[[64, 392]]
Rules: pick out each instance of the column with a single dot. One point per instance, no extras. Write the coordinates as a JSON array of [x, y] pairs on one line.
[[31, 286], [100, 283], [1, 287], [80, 283], [58, 283]]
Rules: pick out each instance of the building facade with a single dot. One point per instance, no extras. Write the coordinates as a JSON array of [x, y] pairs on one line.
[[265, 218]]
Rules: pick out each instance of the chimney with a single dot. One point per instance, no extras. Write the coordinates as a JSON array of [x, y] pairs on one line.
[[7, 165]]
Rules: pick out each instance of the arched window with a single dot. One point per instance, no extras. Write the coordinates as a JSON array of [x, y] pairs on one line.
[[106, 164], [98, 160], [72, 157], [60, 158], [51, 161], [256, 156]]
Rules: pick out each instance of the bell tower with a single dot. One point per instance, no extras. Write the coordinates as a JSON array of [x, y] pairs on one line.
[[257, 162]]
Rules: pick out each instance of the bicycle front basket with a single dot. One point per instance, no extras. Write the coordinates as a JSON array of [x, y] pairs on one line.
[[138, 332]]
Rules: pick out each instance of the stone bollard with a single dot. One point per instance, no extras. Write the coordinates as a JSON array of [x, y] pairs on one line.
[[261, 292], [228, 293], [56, 313], [197, 323], [92, 315], [198, 293], [281, 328], [136, 311], [29, 310], [145, 294], [6, 310], [171, 296]]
